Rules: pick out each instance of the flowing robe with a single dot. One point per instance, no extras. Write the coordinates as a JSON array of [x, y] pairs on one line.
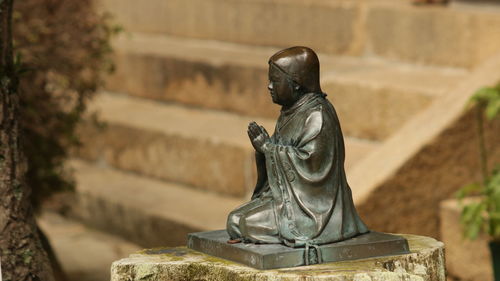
[[302, 196]]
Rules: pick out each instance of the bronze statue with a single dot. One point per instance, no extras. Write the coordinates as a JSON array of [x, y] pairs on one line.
[[302, 197], [301, 211]]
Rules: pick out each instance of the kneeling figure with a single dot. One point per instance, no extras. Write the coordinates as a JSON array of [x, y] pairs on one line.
[[302, 197]]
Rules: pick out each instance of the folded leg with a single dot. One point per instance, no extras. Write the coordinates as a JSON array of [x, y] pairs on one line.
[[233, 220], [259, 225]]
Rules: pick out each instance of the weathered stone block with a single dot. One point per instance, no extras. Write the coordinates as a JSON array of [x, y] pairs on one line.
[[425, 263], [465, 259]]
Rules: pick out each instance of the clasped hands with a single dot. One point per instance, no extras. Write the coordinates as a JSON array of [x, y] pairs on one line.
[[258, 136]]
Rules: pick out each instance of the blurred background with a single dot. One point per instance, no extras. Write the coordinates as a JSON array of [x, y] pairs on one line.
[[136, 115]]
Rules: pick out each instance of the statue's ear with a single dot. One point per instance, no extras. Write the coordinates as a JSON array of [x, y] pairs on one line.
[[296, 87]]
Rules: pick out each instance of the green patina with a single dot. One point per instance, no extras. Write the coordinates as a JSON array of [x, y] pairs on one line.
[[349, 268]]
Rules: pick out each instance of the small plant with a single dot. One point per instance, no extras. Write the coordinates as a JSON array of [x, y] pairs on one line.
[[63, 53], [482, 215]]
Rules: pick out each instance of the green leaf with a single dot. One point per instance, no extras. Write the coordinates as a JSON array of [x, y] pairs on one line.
[[472, 219], [474, 228], [489, 99], [493, 109], [484, 95], [493, 187], [494, 223], [468, 212], [495, 232], [494, 180], [469, 189]]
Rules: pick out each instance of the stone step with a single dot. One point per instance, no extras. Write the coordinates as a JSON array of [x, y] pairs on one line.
[[484, 5], [391, 29], [148, 212], [205, 149], [233, 78], [438, 35], [326, 24], [84, 254]]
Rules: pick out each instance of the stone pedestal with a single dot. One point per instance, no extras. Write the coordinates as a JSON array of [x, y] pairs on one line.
[[272, 256], [424, 263]]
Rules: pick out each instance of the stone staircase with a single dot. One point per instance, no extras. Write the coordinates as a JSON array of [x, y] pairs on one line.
[[174, 157], [232, 77], [84, 254]]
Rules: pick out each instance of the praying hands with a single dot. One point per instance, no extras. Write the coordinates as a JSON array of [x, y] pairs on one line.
[[258, 136]]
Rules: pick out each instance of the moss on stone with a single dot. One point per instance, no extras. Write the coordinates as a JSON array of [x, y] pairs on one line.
[[426, 262], [145, 271], [173, 254], [218, 260]]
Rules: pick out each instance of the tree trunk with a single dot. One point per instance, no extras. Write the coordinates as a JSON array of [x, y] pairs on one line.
[[21, 252]]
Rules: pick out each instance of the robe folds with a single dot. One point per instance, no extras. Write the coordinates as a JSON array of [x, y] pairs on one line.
[[302, 196]]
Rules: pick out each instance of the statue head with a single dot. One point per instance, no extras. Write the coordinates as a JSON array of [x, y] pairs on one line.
[[293, 72]]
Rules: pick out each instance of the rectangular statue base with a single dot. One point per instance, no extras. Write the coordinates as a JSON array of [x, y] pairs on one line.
[[269, 256]]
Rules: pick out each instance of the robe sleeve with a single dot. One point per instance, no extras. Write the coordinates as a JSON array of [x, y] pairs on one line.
[[307, 159], [260, 162]]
